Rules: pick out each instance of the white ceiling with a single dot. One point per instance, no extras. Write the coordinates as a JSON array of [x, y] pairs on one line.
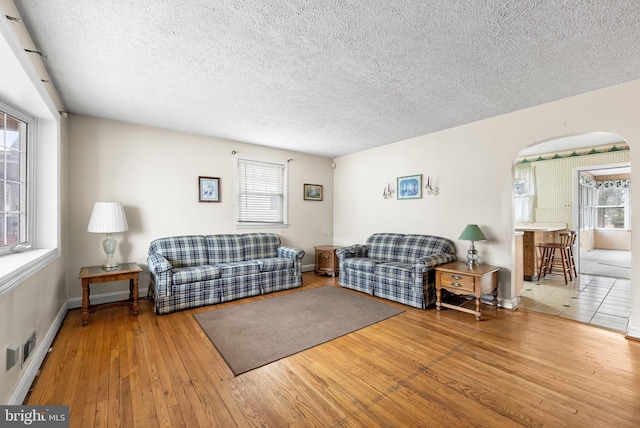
[[328, 77]]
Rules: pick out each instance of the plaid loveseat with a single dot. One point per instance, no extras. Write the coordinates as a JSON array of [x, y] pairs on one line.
[[195, 270], [395, 266]]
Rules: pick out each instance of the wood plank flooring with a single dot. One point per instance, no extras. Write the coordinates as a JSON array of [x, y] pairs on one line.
[[420, 368]]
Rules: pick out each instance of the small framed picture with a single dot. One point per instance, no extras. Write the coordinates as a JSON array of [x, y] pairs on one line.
[[312, 192], [410, 187], [209, 189]]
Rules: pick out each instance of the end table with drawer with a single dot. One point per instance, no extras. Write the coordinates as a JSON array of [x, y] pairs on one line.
[[458, 278]]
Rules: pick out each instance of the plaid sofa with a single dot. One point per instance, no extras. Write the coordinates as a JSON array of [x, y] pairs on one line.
[[195, 270], [395, 266]]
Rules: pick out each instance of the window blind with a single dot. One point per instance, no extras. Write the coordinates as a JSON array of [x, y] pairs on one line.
[[261, 195]]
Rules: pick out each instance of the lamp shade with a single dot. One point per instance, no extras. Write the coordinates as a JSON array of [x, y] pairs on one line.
[[472, 233], [107, 217]]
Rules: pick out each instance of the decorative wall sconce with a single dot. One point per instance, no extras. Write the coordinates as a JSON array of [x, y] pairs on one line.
[[435, 191], [388, 192]]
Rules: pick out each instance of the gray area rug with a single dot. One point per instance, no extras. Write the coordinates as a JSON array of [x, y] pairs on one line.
[[253, 334]]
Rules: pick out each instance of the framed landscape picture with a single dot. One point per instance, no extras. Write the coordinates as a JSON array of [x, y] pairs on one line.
[[209, 188], [312, 192], [410, 187]]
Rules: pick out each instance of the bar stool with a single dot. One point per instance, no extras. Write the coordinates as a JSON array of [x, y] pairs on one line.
[[572, 260], [549, 257]]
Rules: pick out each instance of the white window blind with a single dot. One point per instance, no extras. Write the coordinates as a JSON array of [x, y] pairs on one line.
[[261, 193]]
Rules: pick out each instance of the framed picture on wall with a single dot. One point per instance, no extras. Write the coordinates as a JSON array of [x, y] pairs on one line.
[[209, 188], [410, 187], [312, 192]]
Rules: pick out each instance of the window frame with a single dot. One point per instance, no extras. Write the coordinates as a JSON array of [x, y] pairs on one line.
[[285, 195], [625, 206], [28, 199]]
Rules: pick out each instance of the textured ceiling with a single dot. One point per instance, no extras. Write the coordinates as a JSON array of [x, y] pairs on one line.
[[328, 77]]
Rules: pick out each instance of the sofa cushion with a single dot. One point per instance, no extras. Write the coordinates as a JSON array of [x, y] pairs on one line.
[[225, 248], [361, 264], [279, 263], [228, 270], [182, 251], [412, 247], [191, 274], [384, 246], [260, 246], [400, 271]]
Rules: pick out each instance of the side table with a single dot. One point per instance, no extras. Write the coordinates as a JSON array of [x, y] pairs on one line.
[[458, 278], [326, 260], [97, 274]]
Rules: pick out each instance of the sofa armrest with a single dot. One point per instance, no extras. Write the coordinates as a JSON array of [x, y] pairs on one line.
[[158, 264], [356, 250], [425, 264], [160, 270], [290, 252]]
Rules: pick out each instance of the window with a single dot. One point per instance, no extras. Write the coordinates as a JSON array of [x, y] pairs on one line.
[[611, 211], [261, 198], [14, 148]]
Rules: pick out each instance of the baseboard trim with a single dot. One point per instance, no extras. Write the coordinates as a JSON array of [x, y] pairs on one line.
[[30, 373], [308, 268], [633, 333], [98, 299]]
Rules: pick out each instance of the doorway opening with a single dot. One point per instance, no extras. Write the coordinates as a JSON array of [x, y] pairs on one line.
[[602, 209], [601, 297]]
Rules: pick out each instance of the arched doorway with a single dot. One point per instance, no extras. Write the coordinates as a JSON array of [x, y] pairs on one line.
[[554, 202]]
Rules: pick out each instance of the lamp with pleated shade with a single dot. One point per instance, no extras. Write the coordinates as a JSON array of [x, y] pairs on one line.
[[108, 217]]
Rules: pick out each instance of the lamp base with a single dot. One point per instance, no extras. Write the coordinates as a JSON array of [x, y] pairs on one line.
[[109, 247], [472, 257], [110, 265]]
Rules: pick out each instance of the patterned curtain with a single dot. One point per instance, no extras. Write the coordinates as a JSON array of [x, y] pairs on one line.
[[614, 184], [588, 181]]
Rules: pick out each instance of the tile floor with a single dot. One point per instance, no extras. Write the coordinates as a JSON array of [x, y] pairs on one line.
[[597, 300]]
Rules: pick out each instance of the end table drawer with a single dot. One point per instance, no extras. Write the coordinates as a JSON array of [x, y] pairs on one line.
[[457, 281]]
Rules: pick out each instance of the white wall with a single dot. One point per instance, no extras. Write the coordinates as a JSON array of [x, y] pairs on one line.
[[154, 174], [473, 166], [34, 299]]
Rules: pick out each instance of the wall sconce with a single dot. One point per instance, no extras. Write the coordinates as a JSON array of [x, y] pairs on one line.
[[388, 192], [435, 191]]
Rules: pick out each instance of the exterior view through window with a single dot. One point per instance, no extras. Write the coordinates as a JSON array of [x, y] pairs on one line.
[[13, 193]]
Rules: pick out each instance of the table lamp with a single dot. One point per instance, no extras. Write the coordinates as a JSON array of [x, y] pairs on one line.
[[472, 233], [108, 217]]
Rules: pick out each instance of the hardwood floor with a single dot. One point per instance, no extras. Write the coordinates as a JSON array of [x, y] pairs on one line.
[[419, 368]]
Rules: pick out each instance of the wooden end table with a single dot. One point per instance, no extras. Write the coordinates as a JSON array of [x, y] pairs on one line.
[[326, 260], [97, 274], [458, 278]]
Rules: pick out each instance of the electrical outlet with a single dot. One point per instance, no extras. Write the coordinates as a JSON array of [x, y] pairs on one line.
[[28, 346], [13, 355]]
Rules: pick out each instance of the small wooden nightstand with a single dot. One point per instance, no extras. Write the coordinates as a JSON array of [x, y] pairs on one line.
[[458, 278], [326, 260]]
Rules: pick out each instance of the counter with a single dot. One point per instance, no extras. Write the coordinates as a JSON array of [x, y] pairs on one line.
[[535, 234], [540, 227]]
